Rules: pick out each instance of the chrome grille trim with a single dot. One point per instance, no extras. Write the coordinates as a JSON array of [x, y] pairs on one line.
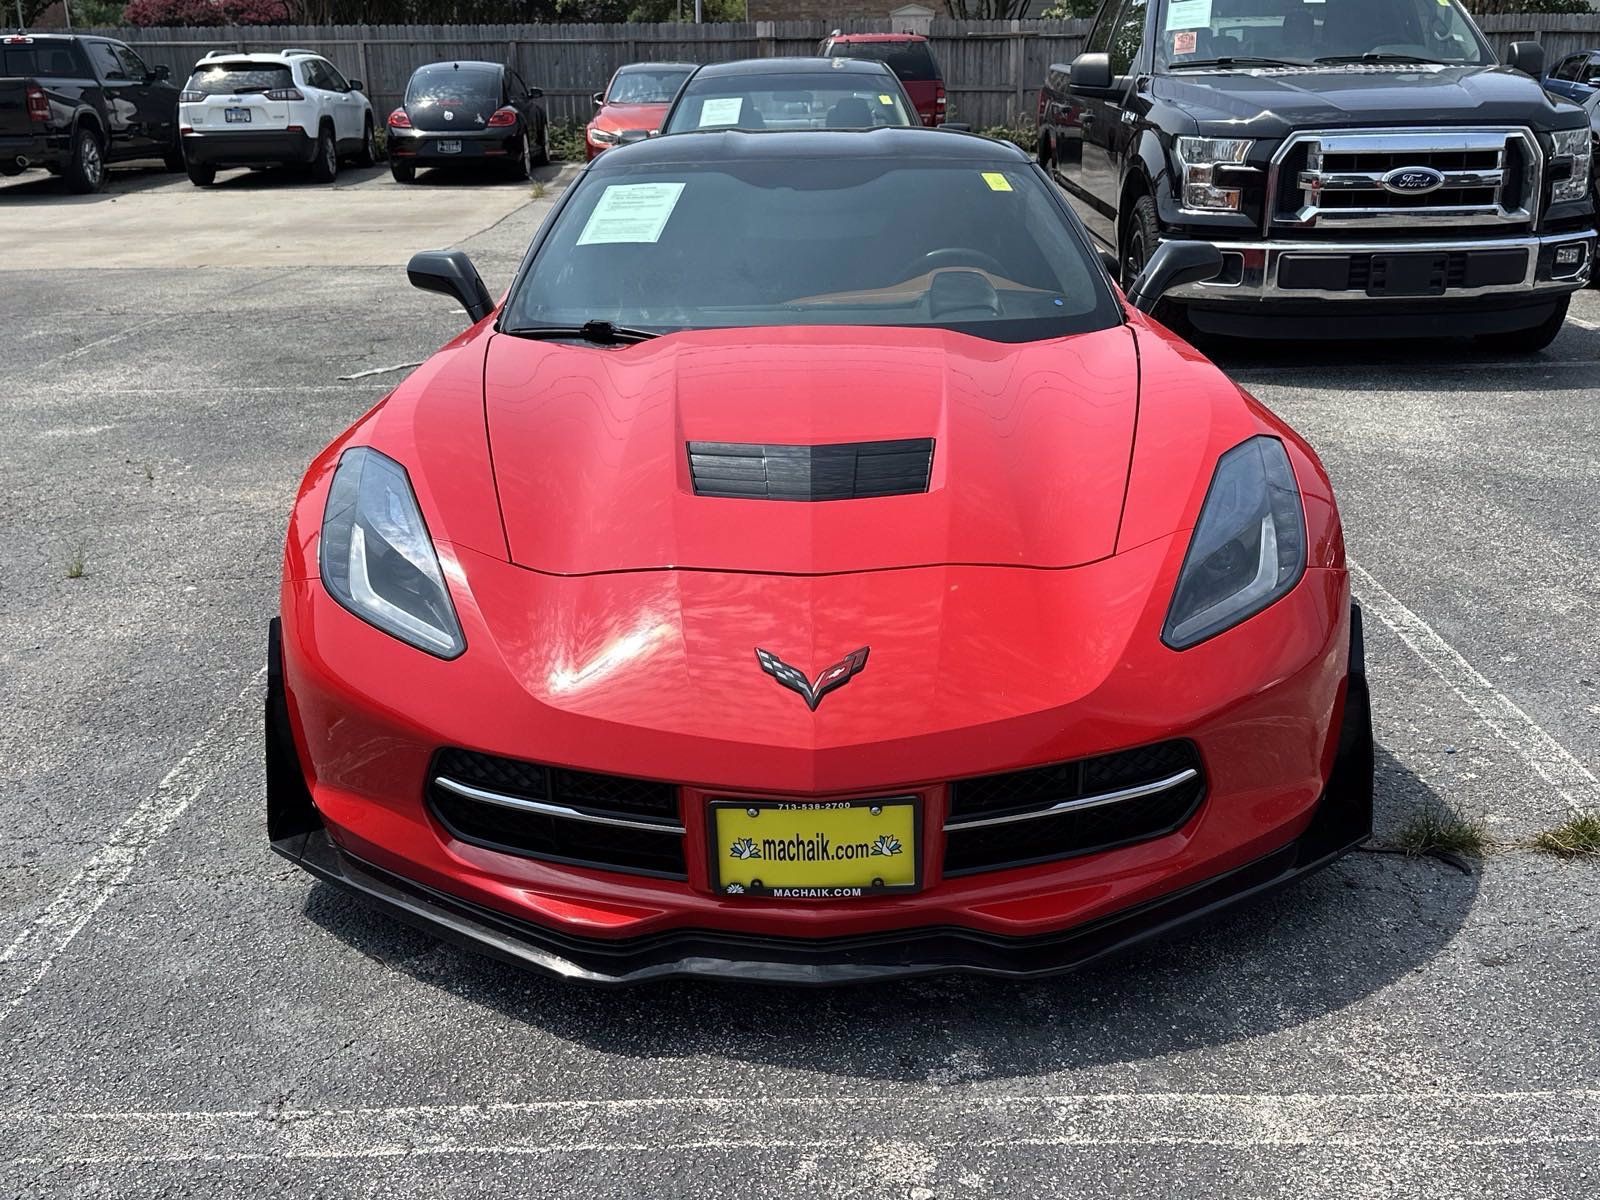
[[1096, 801], [1302, 207], [544, 808]]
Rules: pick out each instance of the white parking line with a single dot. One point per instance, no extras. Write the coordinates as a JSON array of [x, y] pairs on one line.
[[34, 951], [1548, 758], [678, 1125], [406, 366], [1582, 324]]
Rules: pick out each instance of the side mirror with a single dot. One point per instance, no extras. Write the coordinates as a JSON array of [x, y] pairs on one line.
[[357, 86], [1091, 74], [599, 99], [451, 272], [161, 72], [1527, 57], [1173, 265], [536, 93]]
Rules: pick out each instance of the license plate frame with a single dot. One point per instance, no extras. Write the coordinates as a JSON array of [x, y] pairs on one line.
[[448, 146], [903, 814], [1409, 274], [236, 116]]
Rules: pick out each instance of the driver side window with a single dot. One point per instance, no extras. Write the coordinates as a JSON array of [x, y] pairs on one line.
[[1128, 39], [1100, 36]]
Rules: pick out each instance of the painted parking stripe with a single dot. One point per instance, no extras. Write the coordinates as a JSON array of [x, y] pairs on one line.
[[1546, 757], [680, 1125], [1583, 324], [32, 953]]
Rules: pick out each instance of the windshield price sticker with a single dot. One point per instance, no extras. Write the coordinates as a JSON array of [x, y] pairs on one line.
[[1185, 41], [996, 181], [722, 111], [1188, 14], [631, 212]]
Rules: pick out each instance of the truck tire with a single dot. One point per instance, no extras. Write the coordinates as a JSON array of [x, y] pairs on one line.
[[86, 167], [1532, 340], [1141, 234], [325, 166], [173, 159]]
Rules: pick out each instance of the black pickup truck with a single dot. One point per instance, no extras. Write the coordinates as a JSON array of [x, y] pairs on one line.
[[72, 105], [1368, 168]]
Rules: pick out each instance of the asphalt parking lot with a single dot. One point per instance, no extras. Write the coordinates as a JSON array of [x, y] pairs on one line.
[[184, 1014]]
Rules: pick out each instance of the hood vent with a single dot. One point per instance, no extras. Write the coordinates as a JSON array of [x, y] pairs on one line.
[[844, 471]]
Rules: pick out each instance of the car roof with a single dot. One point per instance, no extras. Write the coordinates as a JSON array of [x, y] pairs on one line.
[[791, 66], [741, 145], [459, 62], [876, 37], [656, 66], [275, 57]]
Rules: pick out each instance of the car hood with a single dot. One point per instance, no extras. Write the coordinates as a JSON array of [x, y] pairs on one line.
[[618, 117], [1031, 447], [1273, 102]]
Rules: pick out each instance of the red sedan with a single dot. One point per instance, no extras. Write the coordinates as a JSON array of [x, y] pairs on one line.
[[795, 580], [633, 103]]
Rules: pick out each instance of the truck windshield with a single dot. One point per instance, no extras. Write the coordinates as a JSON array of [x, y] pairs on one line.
[[1255, 33], [974, 246], [909, 60]]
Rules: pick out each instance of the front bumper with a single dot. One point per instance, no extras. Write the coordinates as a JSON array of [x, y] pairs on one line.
[[257, 148], [1279, 272], [1340, 821]]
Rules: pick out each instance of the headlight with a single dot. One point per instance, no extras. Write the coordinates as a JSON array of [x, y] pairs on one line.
[[1199, 159], [1574, 146], [602, 137], [1248, 548], [376, 557]]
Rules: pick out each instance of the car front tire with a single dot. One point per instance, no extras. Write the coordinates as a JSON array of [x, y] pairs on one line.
[[541, 152]]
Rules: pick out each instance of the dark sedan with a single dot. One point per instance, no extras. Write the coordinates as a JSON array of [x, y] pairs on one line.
[[472, 113]]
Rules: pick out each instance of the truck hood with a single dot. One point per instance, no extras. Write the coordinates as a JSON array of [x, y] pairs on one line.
[[1272, 102], [1030, 457]]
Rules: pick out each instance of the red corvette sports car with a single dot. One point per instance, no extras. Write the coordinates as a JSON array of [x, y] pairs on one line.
[[815, 570]]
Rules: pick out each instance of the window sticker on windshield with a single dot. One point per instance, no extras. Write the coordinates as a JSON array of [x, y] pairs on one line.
[[722, 111], [887, 100], [1185, 41], [996, 181], [1188, 14], [630, 212]]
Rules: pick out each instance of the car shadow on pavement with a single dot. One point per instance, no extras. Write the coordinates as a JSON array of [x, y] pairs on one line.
[[1324, 944], [37, 186]]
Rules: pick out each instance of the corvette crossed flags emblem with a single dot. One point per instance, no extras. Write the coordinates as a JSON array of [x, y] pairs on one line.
[[795, 679]]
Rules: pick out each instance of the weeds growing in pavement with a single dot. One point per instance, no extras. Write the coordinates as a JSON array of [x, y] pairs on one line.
[[1578, 838], [75, 563], [1438, 830], [538, 190]]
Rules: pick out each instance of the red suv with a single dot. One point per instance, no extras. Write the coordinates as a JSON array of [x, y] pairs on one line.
[[907, 55]]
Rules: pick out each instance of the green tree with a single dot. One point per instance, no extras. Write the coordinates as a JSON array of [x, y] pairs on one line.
[[1068, 10]]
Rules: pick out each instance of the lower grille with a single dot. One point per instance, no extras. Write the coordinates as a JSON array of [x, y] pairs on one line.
[[608, 821], [1071, 808]]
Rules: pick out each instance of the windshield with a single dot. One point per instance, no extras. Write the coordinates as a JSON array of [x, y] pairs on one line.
[[813, 100], [909, 60], [237, 78], [1297, 32], [454, 85], [981, 248], [646, 87]]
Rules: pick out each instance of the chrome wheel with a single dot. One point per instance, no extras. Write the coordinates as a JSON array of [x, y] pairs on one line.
[[94, 166]]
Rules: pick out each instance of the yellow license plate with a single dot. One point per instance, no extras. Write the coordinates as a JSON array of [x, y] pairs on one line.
[[836, 849]]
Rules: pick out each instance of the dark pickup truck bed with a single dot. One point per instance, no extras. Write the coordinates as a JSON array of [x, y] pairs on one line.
[[73, 105]]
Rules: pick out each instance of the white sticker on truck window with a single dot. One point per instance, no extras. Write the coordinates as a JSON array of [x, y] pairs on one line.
[[631, 212], [721, 111], [1188, 14]]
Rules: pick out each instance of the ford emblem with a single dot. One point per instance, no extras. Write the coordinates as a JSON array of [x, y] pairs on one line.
[[1413, 181]]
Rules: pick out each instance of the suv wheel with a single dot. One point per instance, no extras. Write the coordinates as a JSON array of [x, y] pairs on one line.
[[86, 169], [325, 166], [369, 146], [1528, 341]]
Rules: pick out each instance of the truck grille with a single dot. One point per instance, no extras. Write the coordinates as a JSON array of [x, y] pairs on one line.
[[1460, 177]]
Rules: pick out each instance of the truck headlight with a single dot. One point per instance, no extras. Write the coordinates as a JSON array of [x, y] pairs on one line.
[[1200, 159], [1248, 548], [1572, 146], [377, 559]]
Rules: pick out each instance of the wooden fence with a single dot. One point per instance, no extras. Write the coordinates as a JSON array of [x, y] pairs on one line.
[[992, 69]]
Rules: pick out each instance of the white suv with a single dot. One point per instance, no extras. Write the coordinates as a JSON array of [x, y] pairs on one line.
[[240, 110]]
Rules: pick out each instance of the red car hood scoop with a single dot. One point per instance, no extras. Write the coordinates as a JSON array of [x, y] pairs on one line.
[[811, 450]]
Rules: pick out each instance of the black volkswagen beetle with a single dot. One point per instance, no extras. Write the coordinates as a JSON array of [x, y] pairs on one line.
[[468, 113]]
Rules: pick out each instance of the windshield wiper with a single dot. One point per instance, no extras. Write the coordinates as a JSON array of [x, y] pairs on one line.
[[602, 333], [1244, 60], [1375, 56]]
